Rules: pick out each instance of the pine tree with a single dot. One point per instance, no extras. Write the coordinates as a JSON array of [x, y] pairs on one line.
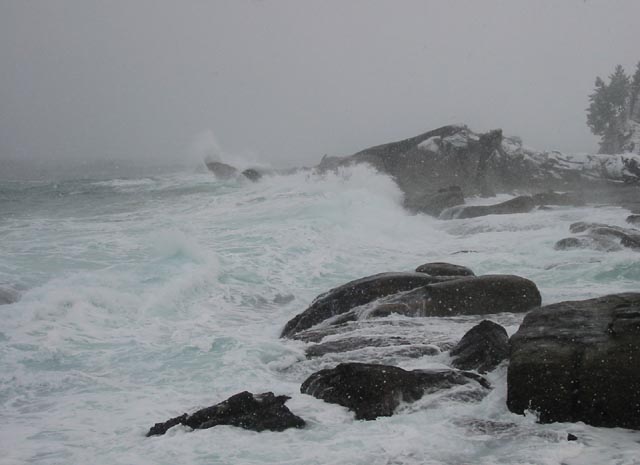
[[609, 110], [634, 107]]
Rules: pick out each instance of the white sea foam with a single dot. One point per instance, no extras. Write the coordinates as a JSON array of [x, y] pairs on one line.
[[156, 298]]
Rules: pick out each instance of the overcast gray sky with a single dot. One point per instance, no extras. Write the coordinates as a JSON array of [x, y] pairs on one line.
[[288, 81]]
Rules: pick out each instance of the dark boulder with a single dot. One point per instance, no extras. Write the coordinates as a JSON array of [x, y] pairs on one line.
[[473, 295], [444, 269], [434, 203], [521, 204], [470, 295], [355, 293], [633, 219], [252, 174], [222, 170], [372, 391], [482, 348], [257, 412], [579, 361]]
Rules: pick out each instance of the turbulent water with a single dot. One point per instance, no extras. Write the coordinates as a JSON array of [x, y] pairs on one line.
[[141, 299]]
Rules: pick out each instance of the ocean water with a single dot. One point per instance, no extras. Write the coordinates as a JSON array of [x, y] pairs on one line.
[[144, 298]]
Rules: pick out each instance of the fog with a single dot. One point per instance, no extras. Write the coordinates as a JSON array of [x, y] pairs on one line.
[[285, 82]]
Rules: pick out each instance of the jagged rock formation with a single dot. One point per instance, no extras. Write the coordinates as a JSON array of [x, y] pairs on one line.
[[484, 164], [257, 412], [372, 391], [578, 361]]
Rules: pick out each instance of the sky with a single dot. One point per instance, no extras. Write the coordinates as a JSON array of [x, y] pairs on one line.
[[285, 82]]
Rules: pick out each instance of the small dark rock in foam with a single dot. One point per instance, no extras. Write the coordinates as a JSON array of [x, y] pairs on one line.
[[252, 174], [257, 412], [444, 269], [482, 348], [522, 204], [579, 361], [372, 391], [8, 295]]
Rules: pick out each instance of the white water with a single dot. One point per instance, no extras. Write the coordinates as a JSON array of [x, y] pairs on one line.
[[146, 298]]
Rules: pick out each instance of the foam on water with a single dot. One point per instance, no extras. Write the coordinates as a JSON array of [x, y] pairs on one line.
[[146, 298]]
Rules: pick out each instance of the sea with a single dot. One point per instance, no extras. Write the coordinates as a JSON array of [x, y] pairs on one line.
[[145, 296]]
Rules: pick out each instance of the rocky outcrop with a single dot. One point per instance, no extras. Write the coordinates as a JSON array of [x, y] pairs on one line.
[[372, 391], [579, 361], [398, 346], [601, 237], [521, 204], [257, 412], [452, 296], [482, 348], [555, 198], [444, 269], [487, 163], [353, 294]]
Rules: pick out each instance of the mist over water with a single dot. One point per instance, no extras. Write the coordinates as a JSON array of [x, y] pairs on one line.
[[143, 297]]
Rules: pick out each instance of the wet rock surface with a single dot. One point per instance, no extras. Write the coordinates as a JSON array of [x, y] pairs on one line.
[[355, 293], [434, 203], [444, 269], [257, 412], [600, 236], [521, 204], [482, 348], [222, 170], [8, 295], [578, 361], [373, 390]]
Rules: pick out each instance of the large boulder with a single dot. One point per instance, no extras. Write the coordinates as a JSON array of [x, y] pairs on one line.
[[579, 361], [555, 198], [472, 295], [355, 293], [257, 412], [372, 390], [521, 204], [444, 269], [445, 296], [482, 348]]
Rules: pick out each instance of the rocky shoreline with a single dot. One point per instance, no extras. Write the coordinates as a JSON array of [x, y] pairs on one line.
[[568, 361]]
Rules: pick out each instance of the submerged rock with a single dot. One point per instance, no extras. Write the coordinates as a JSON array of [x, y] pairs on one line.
[[600, 236], [434, 203], [521, 204], [579, 361], [482, 348], [252, 174], [554, 198], [222, 170], [257, 412], [8, 295], [359, 292], [372, 391], [444, 269], [399, 345]]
